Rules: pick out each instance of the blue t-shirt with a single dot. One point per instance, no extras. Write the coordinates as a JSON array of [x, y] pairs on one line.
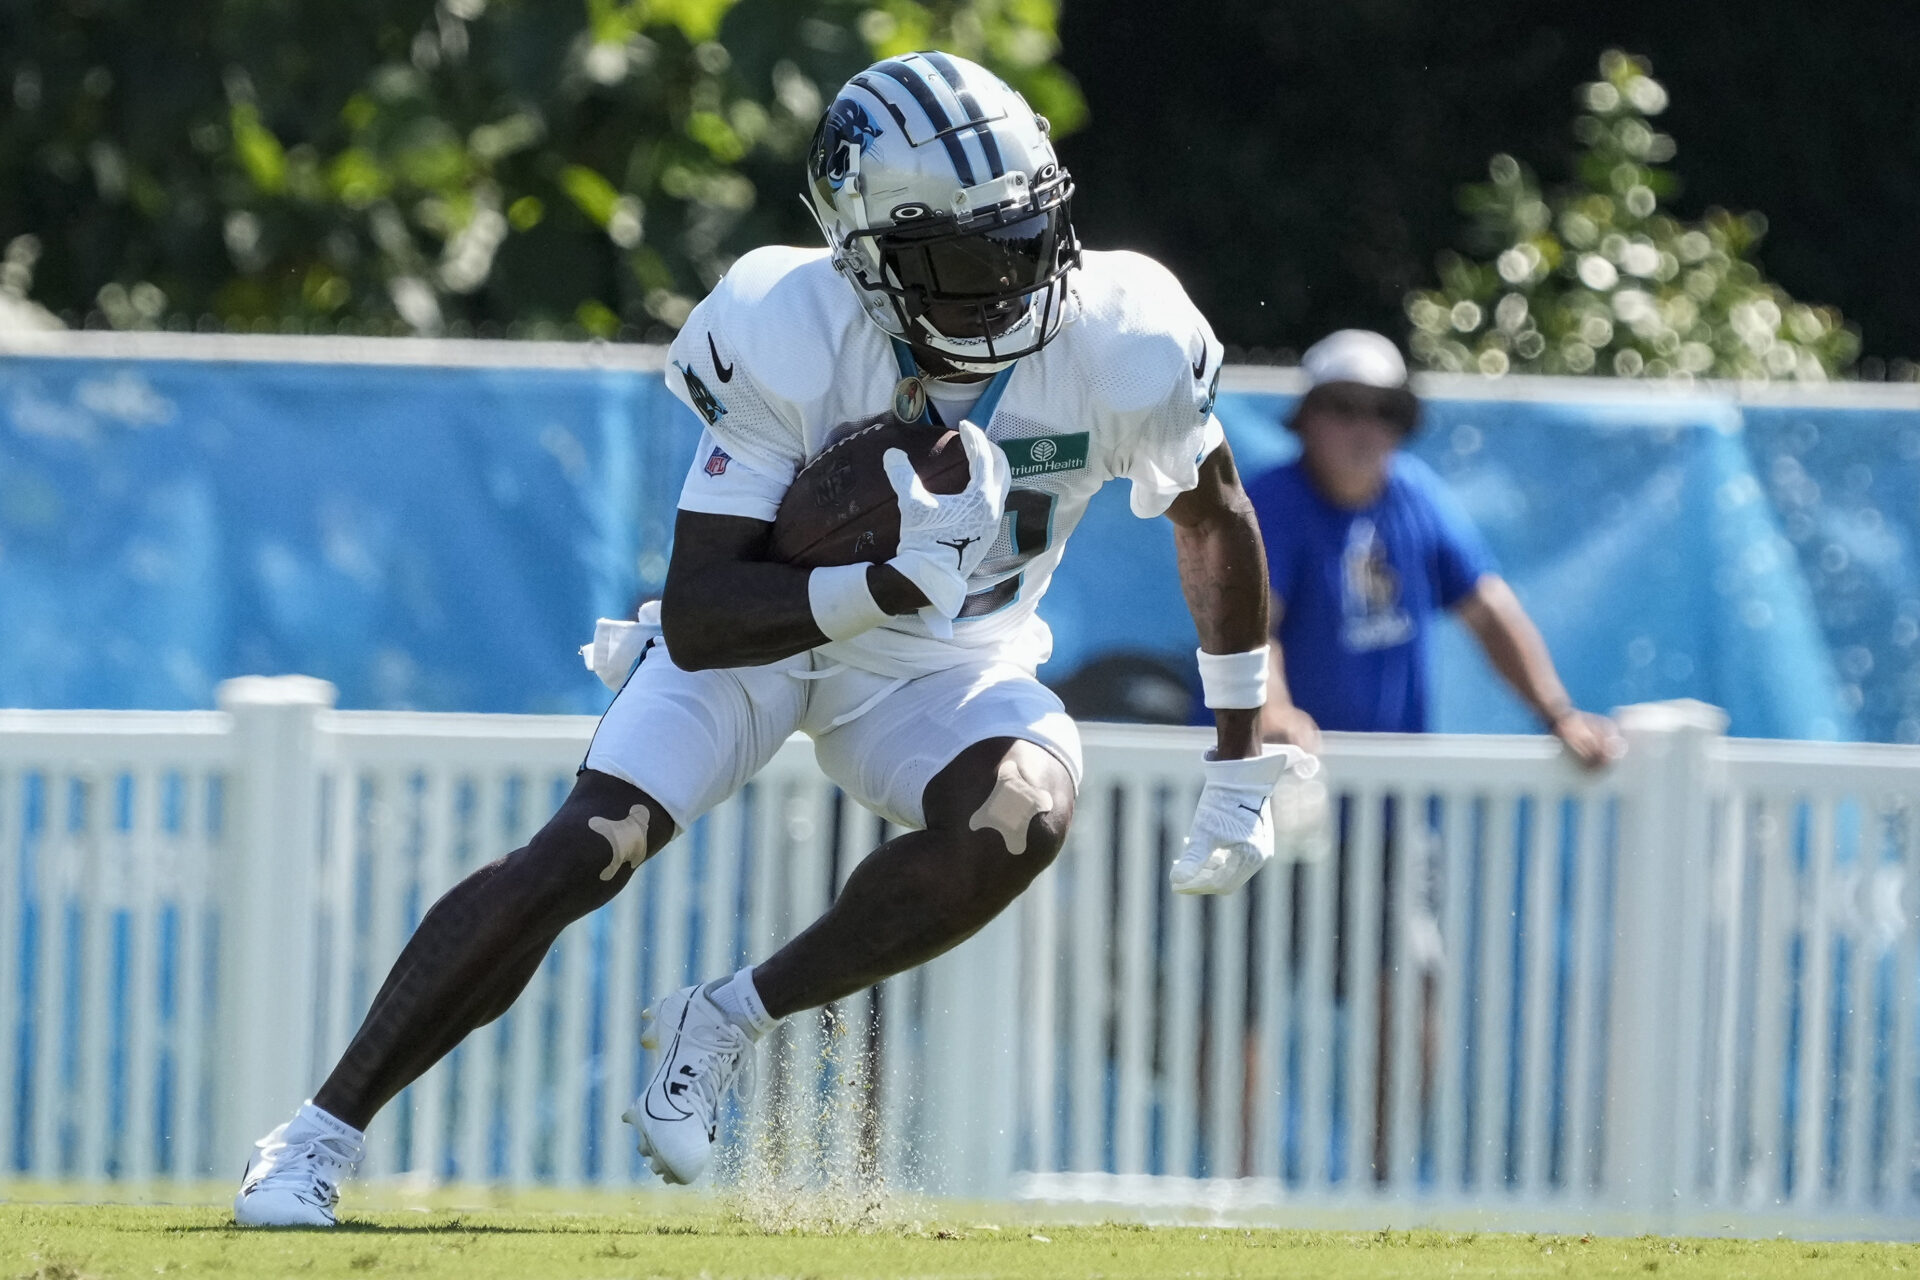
[[1360, 588]]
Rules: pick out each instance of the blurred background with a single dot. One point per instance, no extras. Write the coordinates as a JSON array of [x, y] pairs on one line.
[[1689, 214]]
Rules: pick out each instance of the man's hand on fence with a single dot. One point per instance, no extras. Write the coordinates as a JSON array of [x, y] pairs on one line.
[[1594, 741], [1232, 833], [1284, 722]]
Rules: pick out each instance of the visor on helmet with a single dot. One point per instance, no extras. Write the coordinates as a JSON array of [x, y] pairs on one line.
[[1000, 263]]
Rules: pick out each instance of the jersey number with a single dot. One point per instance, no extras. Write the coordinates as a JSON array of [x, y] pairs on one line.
[[1031, 512]]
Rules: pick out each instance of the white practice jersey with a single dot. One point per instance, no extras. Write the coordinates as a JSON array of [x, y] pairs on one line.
[[780, 358]]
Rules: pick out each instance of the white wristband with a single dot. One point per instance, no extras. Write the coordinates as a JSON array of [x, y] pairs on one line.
[[842, 603], [1233, 680]]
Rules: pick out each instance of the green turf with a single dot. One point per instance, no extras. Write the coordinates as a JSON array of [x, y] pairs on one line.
[[691, 1237]]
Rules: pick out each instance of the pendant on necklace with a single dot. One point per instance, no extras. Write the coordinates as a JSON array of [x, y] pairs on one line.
[[910, 400]]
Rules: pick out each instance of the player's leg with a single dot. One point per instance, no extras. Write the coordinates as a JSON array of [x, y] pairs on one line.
[[480, 944], [673, 744], [472, 954], [996, 817], [986, 763]]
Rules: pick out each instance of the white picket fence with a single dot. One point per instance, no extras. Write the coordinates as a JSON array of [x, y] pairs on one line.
[[1678, 995]]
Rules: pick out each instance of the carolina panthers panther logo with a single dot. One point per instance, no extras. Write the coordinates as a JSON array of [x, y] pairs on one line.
[[704, 401], [845, 130], [1213, 392]]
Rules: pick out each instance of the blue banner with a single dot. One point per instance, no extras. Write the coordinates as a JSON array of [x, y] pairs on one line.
[[428, 538], [442, 538]]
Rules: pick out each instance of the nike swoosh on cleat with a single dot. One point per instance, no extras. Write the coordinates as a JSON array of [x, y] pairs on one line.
[[1255, 811], [725, 371], [673, 1050], [1199, 364], [676, 1112]]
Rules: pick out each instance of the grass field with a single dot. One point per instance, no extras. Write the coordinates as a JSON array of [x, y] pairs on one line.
[[694, 1237]]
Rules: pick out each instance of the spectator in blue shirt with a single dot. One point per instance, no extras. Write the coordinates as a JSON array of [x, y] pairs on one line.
[[1365, 547]]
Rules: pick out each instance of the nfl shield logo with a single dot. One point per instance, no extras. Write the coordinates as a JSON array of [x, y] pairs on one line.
[[717, 461]]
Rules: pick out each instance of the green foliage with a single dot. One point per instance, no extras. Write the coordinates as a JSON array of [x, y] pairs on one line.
[[1595, 278], [459, 166]]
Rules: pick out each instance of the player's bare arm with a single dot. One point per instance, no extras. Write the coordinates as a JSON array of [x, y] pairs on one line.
[[1223, 571], [727, 605], [731, 601], [1518, 652]]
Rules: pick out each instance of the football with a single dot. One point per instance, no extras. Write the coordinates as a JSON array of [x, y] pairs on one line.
[[841, 509]]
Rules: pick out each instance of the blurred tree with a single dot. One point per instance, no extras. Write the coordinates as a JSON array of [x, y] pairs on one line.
[[450, 166], [1296, 164], [1596, 278]]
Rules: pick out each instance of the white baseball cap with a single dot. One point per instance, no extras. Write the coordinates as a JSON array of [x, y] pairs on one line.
[[1355, 355]]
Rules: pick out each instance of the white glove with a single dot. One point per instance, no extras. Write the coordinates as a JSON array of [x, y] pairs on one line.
[[945, 536], [1232, 833]]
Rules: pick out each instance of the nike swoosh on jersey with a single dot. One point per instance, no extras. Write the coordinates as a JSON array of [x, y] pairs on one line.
[[725, 371]]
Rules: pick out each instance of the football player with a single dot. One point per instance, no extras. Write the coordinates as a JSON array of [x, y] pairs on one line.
[[951, 289]]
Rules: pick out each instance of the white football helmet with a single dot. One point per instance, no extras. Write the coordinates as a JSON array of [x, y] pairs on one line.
[[945, 207]]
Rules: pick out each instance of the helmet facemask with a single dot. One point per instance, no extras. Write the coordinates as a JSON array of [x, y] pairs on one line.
[[979, 292]]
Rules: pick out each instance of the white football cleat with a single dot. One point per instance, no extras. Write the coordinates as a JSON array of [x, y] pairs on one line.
[[294, 1177], [703, 1056]]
